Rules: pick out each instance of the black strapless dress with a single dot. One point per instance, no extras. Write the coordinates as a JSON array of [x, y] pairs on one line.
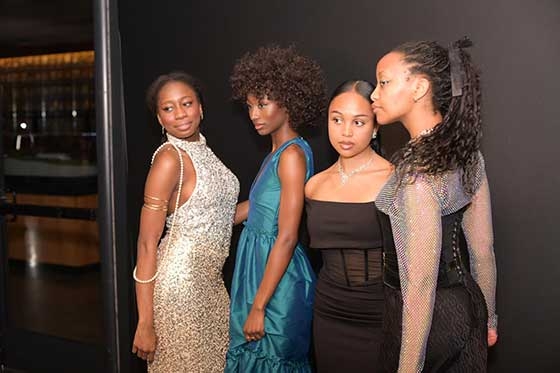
[[348, 308]]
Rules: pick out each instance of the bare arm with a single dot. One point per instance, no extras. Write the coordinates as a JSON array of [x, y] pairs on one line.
[[160, 184], [291, 171], [241, 212]]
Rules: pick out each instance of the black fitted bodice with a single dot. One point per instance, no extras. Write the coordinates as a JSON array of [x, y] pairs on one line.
[[349, 237], [454, 258]]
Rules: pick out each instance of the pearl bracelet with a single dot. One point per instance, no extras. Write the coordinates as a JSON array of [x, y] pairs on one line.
[[143, 281]]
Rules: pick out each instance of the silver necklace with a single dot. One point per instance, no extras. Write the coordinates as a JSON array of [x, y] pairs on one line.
[[426, 132], [423, 133], [345, 176]]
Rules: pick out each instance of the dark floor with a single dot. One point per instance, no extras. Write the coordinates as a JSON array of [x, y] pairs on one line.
[[55, 300]]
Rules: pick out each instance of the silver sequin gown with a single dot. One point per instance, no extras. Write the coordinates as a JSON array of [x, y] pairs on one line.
[[191, 305], [416, 211]]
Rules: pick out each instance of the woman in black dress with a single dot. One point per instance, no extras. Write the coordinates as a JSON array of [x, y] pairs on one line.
[[342, 224], [439, 267]]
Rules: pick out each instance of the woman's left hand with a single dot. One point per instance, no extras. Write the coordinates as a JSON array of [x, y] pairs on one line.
[[254, 325], [492, 337]]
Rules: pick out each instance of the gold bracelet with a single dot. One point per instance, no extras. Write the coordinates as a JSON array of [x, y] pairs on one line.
[[156, 199], [143, 281], [154, 207], [151, 206]]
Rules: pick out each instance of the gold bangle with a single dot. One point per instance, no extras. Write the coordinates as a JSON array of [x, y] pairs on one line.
[[151, 206], [154, 207], [143, 281], [156, 199]]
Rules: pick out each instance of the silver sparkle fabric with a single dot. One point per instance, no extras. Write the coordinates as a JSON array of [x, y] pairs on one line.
[[191, 305], [415, 210]]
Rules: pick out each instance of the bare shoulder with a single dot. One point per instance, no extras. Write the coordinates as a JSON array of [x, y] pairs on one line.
[[292, 153], [166, 157], [292, 169], [317, 182], [384, 169], [164, 172], [292, 162], [167, 164]]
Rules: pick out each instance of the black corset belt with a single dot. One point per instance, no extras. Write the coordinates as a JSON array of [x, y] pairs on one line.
[[454, 259]]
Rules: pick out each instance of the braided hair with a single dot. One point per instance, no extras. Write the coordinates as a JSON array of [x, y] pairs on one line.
[[455, 142]]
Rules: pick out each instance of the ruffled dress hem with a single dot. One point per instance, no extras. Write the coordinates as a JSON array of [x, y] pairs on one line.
[[256, 361]]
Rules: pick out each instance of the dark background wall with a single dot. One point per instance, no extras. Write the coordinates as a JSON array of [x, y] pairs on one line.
[[517, 46]]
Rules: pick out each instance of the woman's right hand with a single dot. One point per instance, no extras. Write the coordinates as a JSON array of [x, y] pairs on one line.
[[241, 212], [144, 344]]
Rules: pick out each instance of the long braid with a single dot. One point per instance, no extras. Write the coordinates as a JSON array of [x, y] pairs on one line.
[[455, 142]]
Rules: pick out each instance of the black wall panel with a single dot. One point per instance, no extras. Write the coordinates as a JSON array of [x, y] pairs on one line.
[[517, 46]]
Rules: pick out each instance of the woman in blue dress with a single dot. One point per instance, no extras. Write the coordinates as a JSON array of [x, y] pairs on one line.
[[273, 282]]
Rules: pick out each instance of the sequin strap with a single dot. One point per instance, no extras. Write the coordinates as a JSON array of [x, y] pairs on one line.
[[174, 214]]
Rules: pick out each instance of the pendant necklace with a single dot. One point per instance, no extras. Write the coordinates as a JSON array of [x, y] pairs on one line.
[[345, 176]]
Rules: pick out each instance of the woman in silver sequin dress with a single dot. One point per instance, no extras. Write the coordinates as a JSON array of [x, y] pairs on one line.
[[183, 306], [439, 265]]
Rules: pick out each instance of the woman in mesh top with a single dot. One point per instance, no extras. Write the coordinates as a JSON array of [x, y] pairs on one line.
[[439, 266]]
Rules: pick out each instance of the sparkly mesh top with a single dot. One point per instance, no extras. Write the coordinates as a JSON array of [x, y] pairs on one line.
[[416, 211]]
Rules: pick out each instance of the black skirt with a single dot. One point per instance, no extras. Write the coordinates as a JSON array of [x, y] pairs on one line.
[[347, 324], [458, 339]]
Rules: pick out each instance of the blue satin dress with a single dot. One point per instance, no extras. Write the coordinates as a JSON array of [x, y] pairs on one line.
[[288, 314]]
